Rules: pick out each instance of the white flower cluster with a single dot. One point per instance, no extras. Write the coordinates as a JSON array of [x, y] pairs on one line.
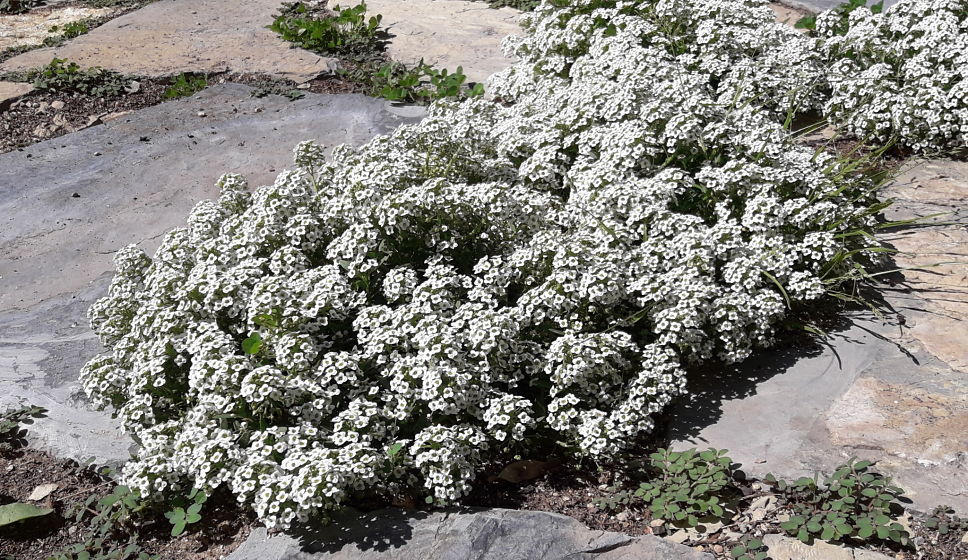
[[900, 74], [543, 263]]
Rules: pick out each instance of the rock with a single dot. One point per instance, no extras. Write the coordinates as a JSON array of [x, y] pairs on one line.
[[787, 548], [10, 92], [201, 113], [42, 106], [133, 87], [623, 516], [679, 536], [887, 390], [817, 6], [41, 492], [786, 14], [56, 250], [964, 538], [57, 105], [108, 117], [494, 534], [163, 39], [448, 33], [657, 523], [764, 503]]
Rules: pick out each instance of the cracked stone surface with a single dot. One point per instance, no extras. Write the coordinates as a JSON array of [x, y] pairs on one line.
[[66, 205], [170, 36], [482, 534], [448, 33], [892, 390]]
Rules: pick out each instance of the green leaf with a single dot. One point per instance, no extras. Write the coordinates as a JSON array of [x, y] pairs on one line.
[[194, 509], [253, 344], [178, 528], [12, 513], [394, 449], [738, 551]]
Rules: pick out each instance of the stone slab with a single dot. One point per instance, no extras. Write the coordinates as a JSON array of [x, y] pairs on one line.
[[817, 6], [134, 179], [173, 36], [893, 390], [12, 91], [785, 548], [448, 33], [489, 534]]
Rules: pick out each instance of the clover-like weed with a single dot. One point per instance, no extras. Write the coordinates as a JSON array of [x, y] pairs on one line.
[[853, 503]]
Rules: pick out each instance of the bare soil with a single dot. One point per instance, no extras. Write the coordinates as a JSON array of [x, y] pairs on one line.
[[222, 529]]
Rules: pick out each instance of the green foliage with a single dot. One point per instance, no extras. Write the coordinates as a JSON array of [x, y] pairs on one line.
[[843, 13], [253, 344], [113, 524], [67, 77], [347, 32], [17, 512], [11, 432], [851, 504], [523, 5], [279, 88], [18, 6], [421, 84], [944, 521], [684, 487], [749, 549], [71, 29], [688, 485], [186, 512], [186, 84]]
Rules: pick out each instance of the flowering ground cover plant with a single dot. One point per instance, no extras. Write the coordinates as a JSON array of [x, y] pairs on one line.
[[900, 74], [538, 265]]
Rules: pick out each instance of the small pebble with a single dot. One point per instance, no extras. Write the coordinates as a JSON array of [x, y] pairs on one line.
[[57, 105], [201, 113], [97, 154], [76, 195]]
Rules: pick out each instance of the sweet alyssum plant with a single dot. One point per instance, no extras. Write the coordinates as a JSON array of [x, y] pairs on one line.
[[541, 263], [900, 73]]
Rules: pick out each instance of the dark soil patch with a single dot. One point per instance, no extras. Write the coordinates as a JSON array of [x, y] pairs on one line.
[[222, 529], [41, 116]]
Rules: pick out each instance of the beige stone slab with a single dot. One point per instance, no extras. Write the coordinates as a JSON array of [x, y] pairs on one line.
[[934, 258], [448, 33], [11, 91], [173, 36]]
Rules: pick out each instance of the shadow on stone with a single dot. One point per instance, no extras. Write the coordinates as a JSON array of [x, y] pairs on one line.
[[379, 531]]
